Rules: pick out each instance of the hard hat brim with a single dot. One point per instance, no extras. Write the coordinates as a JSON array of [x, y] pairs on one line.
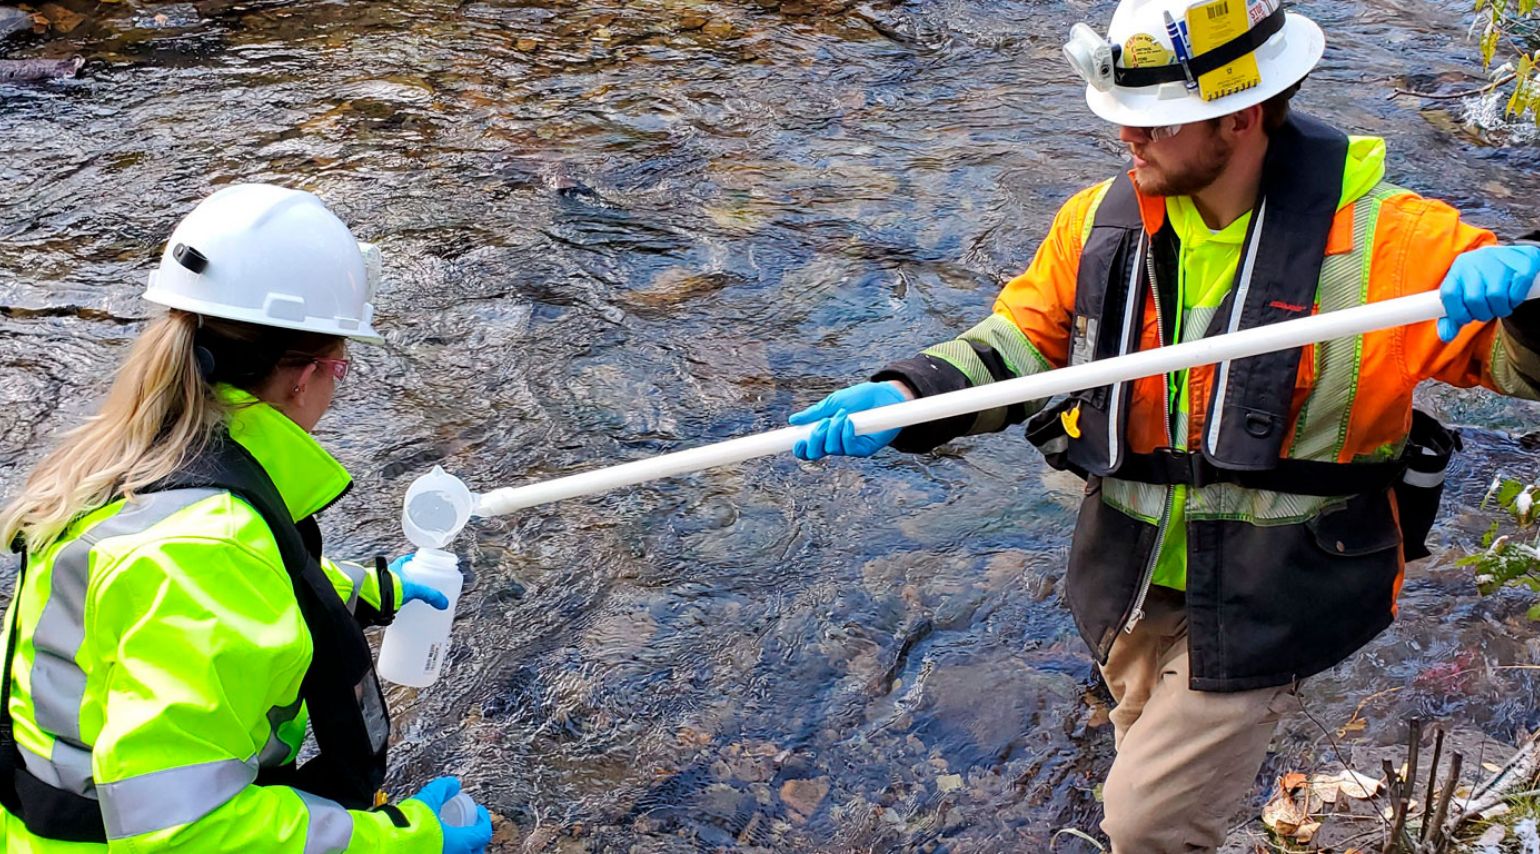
[[1303, 46], [365, 333]]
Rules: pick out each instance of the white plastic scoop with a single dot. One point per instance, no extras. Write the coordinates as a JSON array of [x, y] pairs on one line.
[[437, 506]]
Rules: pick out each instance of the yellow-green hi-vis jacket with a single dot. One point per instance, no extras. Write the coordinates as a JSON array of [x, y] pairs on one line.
[[159, 659]]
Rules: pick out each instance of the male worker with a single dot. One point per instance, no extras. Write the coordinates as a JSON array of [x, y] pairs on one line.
[[1243, 522]]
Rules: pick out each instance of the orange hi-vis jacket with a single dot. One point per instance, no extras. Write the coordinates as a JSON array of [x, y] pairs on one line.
[[1280, 584]]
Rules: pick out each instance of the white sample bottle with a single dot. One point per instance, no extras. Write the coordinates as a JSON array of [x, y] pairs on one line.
[[437, 506], [417, 643]]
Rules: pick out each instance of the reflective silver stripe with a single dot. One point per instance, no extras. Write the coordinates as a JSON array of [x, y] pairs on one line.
[[330, 829], [371, 701], [1424, 479], [1222, 379], [58, 683], [68, 770], [171, 798], [277, 750], [355, 574], [1130, 333]]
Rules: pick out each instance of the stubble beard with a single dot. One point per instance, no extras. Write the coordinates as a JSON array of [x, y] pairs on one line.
[[1156, 180]]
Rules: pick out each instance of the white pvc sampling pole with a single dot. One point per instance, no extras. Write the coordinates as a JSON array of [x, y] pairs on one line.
[[1207, 351]]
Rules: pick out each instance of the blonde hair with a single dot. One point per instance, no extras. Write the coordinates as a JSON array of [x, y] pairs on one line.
[[160, 413]]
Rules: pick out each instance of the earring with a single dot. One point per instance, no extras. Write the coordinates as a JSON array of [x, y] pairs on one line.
[[296, 389]]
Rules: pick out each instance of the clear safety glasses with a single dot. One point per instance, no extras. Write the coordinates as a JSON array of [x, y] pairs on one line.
[[1159, 132]]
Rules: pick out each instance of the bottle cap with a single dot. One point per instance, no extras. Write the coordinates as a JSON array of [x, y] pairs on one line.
[[460, 811]]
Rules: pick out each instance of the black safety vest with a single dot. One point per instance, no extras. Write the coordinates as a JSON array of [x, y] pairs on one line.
[[1266, 604], [1276, 280], [347, 709]]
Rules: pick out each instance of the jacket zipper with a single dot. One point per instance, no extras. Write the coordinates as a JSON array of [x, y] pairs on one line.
[[1136, 613]]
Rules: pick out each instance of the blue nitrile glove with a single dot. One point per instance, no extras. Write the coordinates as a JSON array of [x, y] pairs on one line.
[[471, 839], [1485, 284], [834, 433], [411, 591]]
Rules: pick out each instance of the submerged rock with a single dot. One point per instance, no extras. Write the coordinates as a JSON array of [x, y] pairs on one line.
[[33, 70], [13, 21], [169, 16]]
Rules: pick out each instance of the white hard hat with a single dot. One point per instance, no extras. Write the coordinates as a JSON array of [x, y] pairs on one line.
[[1135, 79], [270, 256]]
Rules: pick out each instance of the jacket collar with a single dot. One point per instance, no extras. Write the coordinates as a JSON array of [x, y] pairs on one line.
[[307, 477]]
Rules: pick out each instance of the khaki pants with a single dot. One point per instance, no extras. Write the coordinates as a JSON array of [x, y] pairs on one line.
[[1186, 760]]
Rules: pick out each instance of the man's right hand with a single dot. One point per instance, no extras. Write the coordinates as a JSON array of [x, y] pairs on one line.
[[834, 434]]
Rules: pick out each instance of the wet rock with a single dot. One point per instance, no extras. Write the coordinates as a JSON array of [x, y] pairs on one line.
[[13, 22], [169, 16], [802, 797], [83, 312], [748, 762], [505, 833], [619, 638], [979, 712], [36, 70], [60, 19]]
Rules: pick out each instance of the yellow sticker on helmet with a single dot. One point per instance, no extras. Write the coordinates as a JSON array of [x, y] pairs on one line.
[[1143, 50], [1070, 419]]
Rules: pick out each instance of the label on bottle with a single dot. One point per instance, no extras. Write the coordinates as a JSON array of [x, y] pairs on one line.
[[436, 654]]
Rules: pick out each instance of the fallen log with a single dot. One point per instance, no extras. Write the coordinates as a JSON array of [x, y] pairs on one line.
[[1517, 774]]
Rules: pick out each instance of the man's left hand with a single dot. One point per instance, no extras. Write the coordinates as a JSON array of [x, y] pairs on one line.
[[1485, 284]]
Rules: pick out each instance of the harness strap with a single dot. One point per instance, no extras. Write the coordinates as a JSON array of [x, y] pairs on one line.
[[1167, 466]]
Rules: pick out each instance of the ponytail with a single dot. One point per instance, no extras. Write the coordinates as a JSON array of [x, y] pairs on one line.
[[160, 412]]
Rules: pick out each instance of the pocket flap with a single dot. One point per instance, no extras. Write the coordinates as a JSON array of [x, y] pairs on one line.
[[1365, 525]]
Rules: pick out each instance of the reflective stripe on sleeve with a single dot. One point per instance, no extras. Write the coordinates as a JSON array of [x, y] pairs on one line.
[[172, 797], [330, 827]]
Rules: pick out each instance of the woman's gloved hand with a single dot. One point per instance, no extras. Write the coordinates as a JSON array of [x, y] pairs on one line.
[[835, 435], [411, 591], [1485, 284], [471, 839]]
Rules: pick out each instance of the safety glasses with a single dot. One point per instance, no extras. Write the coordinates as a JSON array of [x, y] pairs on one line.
[[1160, 132], [338, 367]]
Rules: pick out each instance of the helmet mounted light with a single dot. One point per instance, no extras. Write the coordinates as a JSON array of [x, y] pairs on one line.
[[1093, 57]]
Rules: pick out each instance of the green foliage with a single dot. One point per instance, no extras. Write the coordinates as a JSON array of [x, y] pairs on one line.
[[1510, 559], [1514, 22]]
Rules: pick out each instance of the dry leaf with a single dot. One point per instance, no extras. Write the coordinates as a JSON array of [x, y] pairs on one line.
[[1493, 836], [1354, 725], [1293, 780], [1285, 816], [1491, 766], [1360, 786], [1324, 788], [1306, 832], [1347, 782]]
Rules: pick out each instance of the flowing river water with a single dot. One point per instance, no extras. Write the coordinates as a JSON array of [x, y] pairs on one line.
[[614, 228]]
